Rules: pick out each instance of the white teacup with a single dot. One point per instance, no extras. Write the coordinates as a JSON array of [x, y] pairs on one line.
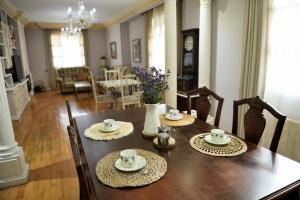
[[174, 113], [217, 135], [109, 124], [128, 158]]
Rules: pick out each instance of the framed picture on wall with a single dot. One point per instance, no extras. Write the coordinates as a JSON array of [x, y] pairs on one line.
[[136, 50], [113, 50]]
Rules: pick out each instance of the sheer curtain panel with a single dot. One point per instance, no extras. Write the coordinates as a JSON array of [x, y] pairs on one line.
[[67, 51], [283, 60], [156, 38]]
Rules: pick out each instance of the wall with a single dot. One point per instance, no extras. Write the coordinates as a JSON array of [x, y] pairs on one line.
[[137, 30], [36, 52], [114, 35], [190, 14], [227, 32], [97, 48]]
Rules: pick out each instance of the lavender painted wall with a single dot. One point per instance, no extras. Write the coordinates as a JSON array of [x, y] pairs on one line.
[[97, 48], [137, 30], [36, 51]]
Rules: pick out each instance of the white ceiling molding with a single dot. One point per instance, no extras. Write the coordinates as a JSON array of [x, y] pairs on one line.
[[12, 11], [135, 9], [41, 25], [21, 16]]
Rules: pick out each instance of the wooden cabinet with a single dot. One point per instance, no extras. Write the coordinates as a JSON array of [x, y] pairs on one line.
[[18, 98]]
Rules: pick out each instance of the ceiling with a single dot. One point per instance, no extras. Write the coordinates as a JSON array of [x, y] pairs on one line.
[[55, 11]]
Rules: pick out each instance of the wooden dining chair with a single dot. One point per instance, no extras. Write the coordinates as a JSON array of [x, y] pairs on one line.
[[130, 91], [69, 113], [83, 182], [254, 121], [203, 104], [108, 98], [112, 74]]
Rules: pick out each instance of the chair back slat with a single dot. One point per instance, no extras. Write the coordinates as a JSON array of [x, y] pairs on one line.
[[93, 85], [203, 104], [113, 74], [255, 122]]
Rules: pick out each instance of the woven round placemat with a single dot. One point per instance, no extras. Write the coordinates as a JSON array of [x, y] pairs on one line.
[[186, 120], [235, 147], [107, 173], [94, 131]]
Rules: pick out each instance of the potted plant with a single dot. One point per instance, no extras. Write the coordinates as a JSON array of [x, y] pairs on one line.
[[154, 85]]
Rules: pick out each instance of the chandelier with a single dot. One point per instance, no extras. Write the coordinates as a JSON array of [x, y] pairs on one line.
[[82, 21]]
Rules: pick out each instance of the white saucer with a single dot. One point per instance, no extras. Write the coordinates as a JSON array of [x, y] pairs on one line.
[[139, 164], [115, 128], [178, 117], [209, 140]]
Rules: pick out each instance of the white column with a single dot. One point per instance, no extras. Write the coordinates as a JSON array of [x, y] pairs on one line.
[[171, 51], [204, 43], [13, 169]]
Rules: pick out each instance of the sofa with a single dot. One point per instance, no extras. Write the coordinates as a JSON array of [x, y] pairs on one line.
[[66, 77]]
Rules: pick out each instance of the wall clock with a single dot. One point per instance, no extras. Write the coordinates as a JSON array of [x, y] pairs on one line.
[[188, 43]]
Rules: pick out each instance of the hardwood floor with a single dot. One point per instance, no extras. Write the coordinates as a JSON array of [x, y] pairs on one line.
[[43, 135]]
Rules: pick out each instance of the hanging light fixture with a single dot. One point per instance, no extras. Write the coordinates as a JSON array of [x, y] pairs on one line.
[[83, 20]]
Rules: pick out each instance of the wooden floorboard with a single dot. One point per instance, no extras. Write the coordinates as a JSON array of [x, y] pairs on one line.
[[43, 135]]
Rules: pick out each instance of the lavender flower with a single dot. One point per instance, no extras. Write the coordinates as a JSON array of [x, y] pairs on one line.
[[153, 83]]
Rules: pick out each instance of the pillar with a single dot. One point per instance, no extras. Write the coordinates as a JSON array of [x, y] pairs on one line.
[[171, 51], [13, 168], [204, 43]]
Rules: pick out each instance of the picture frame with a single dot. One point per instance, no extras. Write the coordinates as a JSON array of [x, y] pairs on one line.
[[113, 50], [136, 51]]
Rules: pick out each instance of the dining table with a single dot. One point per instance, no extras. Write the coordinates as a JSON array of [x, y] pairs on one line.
[[256, 174], [117, 83]]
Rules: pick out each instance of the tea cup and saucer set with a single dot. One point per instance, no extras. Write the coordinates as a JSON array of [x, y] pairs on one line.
[[130, 161], [217, 137], [173, 115], [109, 125]]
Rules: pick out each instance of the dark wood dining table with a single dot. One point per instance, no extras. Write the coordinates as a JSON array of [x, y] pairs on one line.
[[256, 174]]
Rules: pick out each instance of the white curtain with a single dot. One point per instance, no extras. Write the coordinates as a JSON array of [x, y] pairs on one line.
[[282, 89], [156, 39], [283, 61], [67, 51]]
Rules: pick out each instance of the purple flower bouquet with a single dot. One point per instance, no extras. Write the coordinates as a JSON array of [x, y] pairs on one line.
[[153, 83]]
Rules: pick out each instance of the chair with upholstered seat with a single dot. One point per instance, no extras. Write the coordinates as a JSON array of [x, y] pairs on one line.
[[130, 92], [254, 121], [203, 104], [107, 98]]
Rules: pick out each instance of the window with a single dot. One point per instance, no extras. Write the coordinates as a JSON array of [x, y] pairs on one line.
[[156, 39], [283, 62], [67, 51]]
